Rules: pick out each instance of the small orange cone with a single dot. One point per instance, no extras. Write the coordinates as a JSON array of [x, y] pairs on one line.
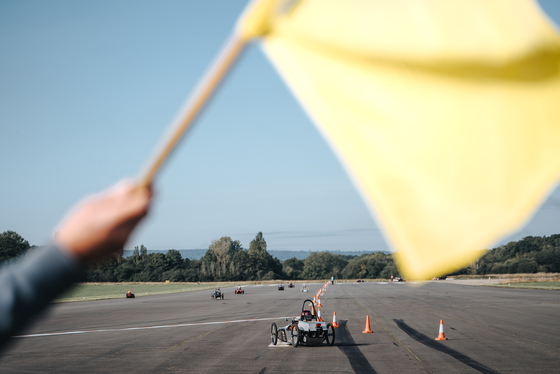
[[319, 316], [368, 329], [441, 335], [334, 324], [319, 303]]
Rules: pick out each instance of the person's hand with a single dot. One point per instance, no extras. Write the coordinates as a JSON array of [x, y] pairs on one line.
[[102, 223]]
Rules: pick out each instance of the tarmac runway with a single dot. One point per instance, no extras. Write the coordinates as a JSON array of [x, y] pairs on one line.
[[490, 330]]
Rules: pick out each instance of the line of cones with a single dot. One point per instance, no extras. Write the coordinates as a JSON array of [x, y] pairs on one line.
[[441, 335]]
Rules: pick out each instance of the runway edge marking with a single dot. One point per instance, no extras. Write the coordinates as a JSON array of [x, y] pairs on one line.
[[146, 327]]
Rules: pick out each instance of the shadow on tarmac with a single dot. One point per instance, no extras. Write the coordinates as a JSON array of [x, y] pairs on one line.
[[431, 343], [348, 346]]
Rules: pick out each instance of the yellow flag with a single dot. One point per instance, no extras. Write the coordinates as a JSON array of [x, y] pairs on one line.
[[445, 113]]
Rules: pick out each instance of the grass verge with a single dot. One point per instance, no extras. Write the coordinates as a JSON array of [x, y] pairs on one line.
[[535, 284], [100, 291]]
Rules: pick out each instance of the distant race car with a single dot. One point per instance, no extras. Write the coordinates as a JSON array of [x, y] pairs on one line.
[[218, 294], [304, 288], [360, 281], [305, 329], [280, 287], [239, 290], [398, 278], [130, 295], [291, 285]]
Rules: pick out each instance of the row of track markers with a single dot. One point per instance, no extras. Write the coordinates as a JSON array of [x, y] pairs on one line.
[[317, 304]]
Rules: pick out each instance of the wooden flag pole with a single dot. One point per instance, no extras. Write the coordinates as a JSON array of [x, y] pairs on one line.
[[193, 105]]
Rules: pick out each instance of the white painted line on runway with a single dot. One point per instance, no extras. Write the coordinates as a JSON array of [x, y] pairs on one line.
[[355, 283], [279, 345], [146, 327]]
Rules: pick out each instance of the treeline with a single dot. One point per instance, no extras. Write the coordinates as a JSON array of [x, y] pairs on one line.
[[532, 254], [227, 260]]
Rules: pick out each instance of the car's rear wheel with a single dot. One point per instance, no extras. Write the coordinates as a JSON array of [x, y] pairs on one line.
[[330, 334], [274, 333], [296, 334]]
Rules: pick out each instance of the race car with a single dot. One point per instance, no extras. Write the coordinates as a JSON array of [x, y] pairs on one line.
[[398, 278], [218, 294], [304, 288], [291, 285], [129, 295], [305, 329], [280, 287], [239, 290]]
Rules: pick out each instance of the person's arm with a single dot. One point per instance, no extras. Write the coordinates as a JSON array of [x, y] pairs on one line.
[[96, 228], [29, 285]]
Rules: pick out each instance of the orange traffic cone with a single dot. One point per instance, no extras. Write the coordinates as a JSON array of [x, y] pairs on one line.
[[334, 324], [368, 329], [319, 303], [319, 316], [441, 335]]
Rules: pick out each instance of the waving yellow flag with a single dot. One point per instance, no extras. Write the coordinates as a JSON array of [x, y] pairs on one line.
[[445, 113]]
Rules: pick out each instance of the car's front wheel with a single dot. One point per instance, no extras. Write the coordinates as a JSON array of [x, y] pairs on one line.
[[330, 334], [274, 333]]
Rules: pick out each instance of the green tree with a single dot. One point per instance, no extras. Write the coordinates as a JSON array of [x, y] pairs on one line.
[[174, 260], [224, 260], [261, 261], [370, 266], [389, 270], [102, 271], [125, 271], [292, 268], [529, 255], [143, 252], [323, 265], [11, 245], [136, 255]]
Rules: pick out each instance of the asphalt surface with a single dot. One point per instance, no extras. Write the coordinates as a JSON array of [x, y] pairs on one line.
[[490, 330]]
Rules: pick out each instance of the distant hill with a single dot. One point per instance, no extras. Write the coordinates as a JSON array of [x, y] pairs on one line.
[[197, 254], [301, 255]]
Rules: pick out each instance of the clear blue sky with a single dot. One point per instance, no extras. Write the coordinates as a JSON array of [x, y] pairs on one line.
[[87, 90]]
